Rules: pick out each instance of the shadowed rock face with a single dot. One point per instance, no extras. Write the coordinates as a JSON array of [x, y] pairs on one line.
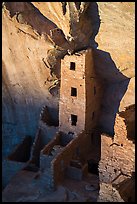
[[37, 35]]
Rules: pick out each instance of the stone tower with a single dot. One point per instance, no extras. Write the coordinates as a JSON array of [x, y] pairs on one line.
[[79, 93]]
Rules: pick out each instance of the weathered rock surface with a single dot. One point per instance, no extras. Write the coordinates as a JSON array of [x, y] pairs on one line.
[[116, 36], [25, 81], [117, 162], [117, 33]]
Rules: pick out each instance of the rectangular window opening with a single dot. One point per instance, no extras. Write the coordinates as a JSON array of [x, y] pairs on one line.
[[93, 115], [73, 120], [72, 66], [92, 138], [73, 91], [94, 90]]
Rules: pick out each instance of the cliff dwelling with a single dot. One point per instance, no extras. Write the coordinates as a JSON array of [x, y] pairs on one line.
[[68, 107]]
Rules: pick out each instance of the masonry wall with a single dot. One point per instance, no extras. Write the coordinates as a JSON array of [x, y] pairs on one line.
[[117, 155], [47, 149], [70, 104], [43, 137], [94, 90], [79, 147], [46, 155], [86, 105], [36, 147], [47, 132]]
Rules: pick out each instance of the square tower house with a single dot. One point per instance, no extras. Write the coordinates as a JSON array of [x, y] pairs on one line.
[[79, 93]]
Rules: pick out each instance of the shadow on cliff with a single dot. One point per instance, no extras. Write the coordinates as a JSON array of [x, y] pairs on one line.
[[93, 12], [115, 86], [115, 83]]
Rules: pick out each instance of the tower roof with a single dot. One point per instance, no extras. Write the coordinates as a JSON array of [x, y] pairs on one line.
[[81, 52]]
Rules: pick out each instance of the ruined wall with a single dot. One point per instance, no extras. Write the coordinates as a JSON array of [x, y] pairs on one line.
[[74, 150], [38, 144], [54, 165], [43, 137], [47, 132], [117, 155], [46, 154], [94, 90], [59, 141], [50, 145]]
